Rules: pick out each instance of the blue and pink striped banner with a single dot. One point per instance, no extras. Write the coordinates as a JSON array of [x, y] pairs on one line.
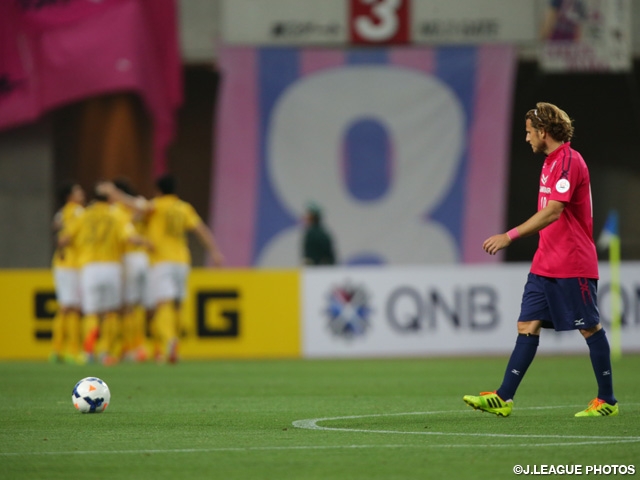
[[404, 148]]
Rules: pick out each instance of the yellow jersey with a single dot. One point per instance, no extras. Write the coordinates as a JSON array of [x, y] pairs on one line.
[[168, 223], [101, 234], [139, 225], [67, 257]]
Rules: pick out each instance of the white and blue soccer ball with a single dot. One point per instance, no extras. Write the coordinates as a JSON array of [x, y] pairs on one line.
[[91, 395]]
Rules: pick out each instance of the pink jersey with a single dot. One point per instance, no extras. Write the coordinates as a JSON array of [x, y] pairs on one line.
[[566, 248]]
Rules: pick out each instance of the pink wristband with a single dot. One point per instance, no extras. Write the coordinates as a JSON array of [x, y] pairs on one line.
[[513, 234]]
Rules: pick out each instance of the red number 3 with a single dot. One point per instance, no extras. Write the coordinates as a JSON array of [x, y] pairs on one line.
[[379, 21]]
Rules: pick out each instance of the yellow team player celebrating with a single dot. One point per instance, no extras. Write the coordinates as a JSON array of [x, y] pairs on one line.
[[136, 282], [169, 219], [101, 234], [66, 335]]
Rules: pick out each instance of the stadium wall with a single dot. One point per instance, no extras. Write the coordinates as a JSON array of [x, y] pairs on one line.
[[26, 193], [30, 154], [342, 312]]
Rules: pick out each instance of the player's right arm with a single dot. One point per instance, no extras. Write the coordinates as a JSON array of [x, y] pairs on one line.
[[56, 224], [541, 219], [137, 204], [208, 241]]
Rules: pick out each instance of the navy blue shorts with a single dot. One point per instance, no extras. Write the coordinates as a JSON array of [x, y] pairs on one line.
[[561, 303]]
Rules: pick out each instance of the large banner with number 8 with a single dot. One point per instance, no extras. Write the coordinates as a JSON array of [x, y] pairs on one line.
[[405, 149]]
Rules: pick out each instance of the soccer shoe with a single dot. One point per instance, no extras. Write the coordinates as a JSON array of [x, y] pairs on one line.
[[88, 357], [70, 359], [108, 360], [141, 354], [81, 359], [489, 402], [599, 408], [172, 353], [55, 358]]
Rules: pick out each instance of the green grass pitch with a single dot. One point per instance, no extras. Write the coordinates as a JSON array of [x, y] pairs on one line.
[[380, 419]]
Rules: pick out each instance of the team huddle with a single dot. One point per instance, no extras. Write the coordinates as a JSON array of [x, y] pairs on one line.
[[120, 269]]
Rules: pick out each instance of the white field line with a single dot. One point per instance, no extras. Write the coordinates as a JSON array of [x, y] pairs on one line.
[[198, 450], [312, 424], [299, 447]]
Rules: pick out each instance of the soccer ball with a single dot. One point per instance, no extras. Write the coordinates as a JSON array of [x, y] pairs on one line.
[[91, 395]]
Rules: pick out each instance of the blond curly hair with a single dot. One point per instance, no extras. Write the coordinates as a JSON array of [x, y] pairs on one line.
[[552, 120]]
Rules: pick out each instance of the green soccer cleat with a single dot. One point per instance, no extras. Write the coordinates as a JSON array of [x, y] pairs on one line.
[[489, 402], [599, 408], [55, 358]]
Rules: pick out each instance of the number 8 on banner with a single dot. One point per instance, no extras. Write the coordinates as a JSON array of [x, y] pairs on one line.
[[379, 21], [425, 124]]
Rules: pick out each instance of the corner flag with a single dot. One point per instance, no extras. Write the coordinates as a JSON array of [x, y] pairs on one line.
[[610, 238]]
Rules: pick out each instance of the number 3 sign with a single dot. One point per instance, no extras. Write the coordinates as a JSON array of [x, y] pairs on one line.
[[379, 21]]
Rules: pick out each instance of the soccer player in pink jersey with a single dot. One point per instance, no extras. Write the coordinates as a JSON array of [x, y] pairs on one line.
[[561, 290]]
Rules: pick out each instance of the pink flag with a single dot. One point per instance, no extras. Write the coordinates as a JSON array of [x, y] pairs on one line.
[[62, 51]]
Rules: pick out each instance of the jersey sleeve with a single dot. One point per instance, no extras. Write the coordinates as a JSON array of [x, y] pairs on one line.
[[192, 219], [566, 179]]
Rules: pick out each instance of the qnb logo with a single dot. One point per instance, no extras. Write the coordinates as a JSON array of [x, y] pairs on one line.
[[348, 311]]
